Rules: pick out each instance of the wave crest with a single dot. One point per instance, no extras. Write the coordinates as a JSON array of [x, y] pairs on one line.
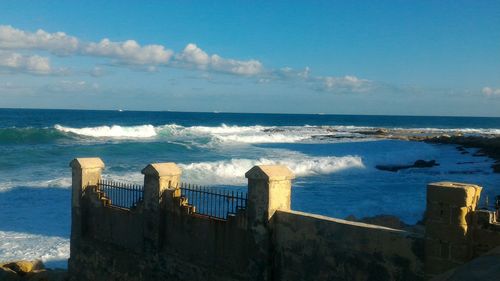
[[233, 171], [115, 131]]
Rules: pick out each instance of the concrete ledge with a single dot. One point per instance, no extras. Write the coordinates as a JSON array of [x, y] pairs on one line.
[[346, 222]]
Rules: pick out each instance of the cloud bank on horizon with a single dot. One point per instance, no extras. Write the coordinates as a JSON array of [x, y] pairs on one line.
[[131, 54]]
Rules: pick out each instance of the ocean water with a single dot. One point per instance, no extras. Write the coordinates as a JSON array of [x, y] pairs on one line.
[[334, 163]]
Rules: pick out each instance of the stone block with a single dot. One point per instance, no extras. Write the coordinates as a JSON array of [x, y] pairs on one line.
[[460, 253], [446, 232], [434, 266], [487, 237], [484, 217], [433, 248], [455, 194], [459, 215], [445, 250], [438, 212]]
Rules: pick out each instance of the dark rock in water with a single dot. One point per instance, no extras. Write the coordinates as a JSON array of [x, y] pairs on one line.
[[417, 164], [380, 131], [467, 162], [462, 150], [274, 130], [424, 164]]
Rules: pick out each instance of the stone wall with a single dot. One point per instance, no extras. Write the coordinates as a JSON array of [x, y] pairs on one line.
[[313, 247], [456, 231], [163, 238]]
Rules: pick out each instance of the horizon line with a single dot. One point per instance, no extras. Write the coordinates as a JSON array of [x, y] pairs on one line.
[[263, 113]]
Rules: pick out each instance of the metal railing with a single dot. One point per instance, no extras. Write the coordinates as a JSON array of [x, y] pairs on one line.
[[121, 195], [214, 202]]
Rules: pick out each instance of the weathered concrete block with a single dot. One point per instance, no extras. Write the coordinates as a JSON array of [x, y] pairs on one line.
[[446, 232], [455, 194], [486, 236], [460, 253], [484, 217], [460, 215], [446, 214], [435, 266], [433, 248], [438, 212]]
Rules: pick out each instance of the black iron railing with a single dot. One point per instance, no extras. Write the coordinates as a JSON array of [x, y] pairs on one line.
[[214, 202], [121, 195]]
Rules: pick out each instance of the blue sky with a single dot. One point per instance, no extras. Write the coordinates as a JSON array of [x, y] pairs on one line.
[[340, 57]]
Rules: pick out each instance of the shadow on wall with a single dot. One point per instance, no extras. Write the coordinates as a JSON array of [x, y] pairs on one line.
[[35, 210]]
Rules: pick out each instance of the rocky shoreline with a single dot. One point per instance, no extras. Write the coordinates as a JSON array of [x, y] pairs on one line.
[[30, 271], [488, 145]]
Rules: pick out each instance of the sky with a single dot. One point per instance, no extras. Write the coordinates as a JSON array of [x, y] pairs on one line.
[[438, 58]]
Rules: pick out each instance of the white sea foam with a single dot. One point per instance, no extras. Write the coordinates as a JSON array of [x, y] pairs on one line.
[[233, 171], [62, 182], [53, 251], [250, 134], [115, 131]]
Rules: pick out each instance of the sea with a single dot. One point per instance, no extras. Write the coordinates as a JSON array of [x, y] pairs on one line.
[[334, 164]]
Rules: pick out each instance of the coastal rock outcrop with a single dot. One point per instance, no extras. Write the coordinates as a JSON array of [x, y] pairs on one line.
[[30, 271], [488, 145], [416, 164]]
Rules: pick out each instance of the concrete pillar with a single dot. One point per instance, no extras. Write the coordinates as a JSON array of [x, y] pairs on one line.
[[85, 172], [158, 178], [448, 228], [269, 189]]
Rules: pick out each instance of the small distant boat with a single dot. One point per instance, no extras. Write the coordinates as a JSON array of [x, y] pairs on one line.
[[120, 110]]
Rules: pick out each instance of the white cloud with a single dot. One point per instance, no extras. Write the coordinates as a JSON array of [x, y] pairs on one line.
[[347, 83], [129, 52], [194, 56], [334, 84], [250, 67], [491, 91], [58, 43], [150, 57], [25, 63]]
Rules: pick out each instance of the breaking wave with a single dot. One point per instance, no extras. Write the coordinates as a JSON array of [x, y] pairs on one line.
[[115, 131], [233, 171], [222, 134]]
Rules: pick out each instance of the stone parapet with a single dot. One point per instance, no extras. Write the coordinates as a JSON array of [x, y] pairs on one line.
[[449, 221]]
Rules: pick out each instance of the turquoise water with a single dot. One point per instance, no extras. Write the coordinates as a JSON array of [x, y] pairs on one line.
[[334, 163]]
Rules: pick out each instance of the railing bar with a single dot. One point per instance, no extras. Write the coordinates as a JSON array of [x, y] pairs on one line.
[[213, 205], [122, 195], [198, 197], [232, 202], [221, 203], [205, 200]]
